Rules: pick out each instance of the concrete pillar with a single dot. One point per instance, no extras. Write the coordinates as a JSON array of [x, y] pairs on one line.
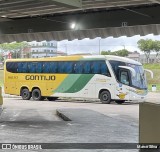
[[149, 122]]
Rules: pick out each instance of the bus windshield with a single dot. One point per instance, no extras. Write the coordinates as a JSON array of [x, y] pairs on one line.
[[139, 80]]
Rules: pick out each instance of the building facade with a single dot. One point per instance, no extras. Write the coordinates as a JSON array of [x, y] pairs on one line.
[[142, 57], [44, 49], [134, 55]]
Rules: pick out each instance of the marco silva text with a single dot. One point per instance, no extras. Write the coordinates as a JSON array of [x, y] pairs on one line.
[[147, 146]]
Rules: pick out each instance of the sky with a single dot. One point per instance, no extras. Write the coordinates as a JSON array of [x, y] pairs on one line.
[[110, 43]]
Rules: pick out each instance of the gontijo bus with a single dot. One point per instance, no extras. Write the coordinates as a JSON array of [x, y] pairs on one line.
[[104, 77]]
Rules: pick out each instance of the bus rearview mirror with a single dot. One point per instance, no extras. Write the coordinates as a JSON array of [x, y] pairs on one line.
[[149, 72]]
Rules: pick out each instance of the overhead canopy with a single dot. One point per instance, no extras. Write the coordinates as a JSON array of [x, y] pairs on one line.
[[28, 20]]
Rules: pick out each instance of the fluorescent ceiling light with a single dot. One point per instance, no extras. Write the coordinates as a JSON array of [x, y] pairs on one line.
[[4, 16], [73, 25]]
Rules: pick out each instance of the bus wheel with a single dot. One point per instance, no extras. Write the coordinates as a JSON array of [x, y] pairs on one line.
[[120, 101], [52, 98], [105, 97], [26, 95], [36, 95]]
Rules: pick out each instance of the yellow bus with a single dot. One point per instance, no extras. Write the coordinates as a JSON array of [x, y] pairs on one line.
[[101, 77]]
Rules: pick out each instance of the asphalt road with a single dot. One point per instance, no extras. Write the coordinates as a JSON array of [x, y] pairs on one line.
[[37, 121]]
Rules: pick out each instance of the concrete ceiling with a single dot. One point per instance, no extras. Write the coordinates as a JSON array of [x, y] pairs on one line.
[[51, 19], [13, 9]]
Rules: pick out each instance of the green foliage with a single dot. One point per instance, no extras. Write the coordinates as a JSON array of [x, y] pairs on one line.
[[155, 68], [13, 46], [16, 54], [148, 46], [156, 47], [145, 45], [1, 58], [157, 87], [152, 66], [106, 53], [122, 52]]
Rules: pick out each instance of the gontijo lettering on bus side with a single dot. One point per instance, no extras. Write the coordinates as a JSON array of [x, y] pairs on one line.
[[40, 77]]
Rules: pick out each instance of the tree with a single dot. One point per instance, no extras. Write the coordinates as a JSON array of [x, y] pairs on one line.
[[146, 46], [106, 52], [16, 54], [15, 48], [156, 48], [1, 58], [122, 52]]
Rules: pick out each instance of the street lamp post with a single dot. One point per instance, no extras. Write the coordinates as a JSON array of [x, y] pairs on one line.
[[66, 48], [100, 46], [124, 47]]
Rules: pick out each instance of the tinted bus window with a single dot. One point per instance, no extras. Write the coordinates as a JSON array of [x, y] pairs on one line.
[[68, 67], [100, 67], [53, 67], [11, 67], [35, 67], [115, 66], [31, 67], [96, 67], [19, 69], [104, 69], [78, 67], [46, 67], [39, 67], [22, 67], [61, 67], [87, 67]]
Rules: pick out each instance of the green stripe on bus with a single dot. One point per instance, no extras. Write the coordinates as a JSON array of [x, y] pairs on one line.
[[80, 83], [67, 83], [74, 83]]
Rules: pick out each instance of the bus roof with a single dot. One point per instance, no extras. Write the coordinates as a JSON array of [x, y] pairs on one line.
[[79, 57], [122, 59]]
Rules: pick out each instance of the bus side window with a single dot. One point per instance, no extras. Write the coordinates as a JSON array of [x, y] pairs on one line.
[[19, 68], [68, 68], [39, 67], [64, 66], [104, 69], [31, 67], [46, 67], [115, 66], [61, 67], [53, 67], [86, 67], [11, 67], [22, 67], [78, 68], [96, 67]]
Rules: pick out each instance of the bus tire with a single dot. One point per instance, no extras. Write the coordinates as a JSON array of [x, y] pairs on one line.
[[36, 95], [105, 97], [119, 101], [26, 95], [52, 98]]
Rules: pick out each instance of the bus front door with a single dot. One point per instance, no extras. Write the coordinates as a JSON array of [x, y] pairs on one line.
[[124, 86]]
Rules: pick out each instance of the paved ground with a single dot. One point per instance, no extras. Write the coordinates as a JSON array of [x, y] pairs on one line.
[[31, 121]]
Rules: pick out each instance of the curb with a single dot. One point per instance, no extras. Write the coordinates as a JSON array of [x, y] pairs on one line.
[[9, 96], [62, 116]]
